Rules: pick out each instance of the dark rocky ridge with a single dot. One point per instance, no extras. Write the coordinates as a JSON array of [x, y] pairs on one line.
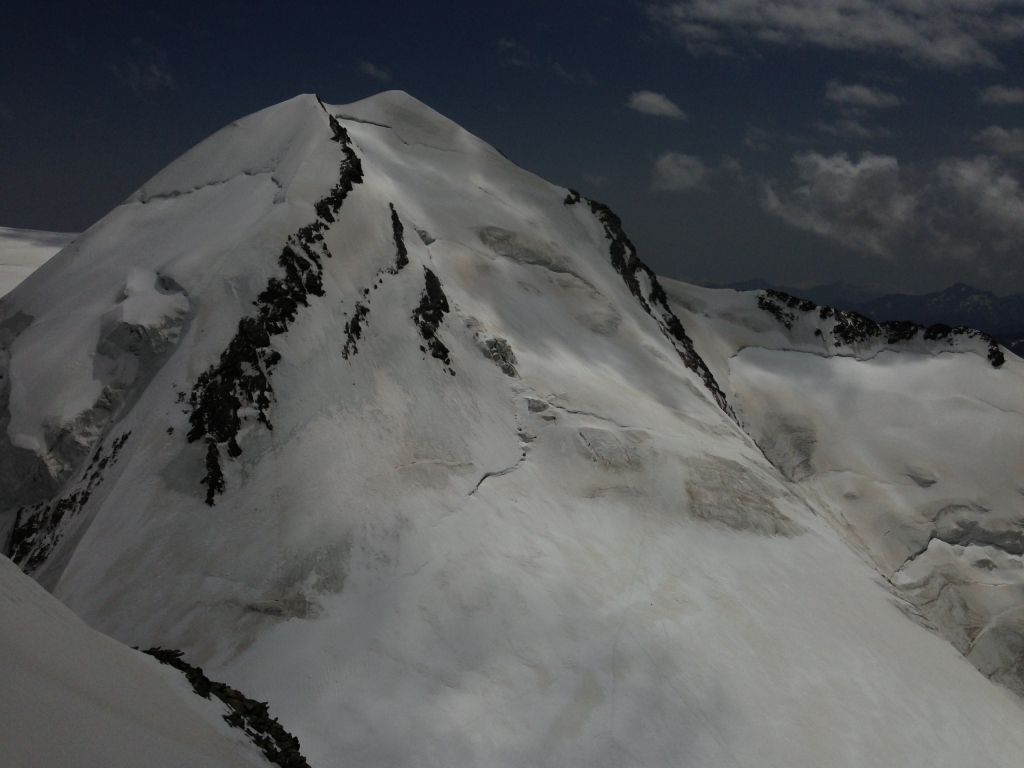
[[248, 715], [854, 328], [401, 254], [626, 262], [354, 330], [1001, 317], [429, 315], [242, 376], [35, 532]]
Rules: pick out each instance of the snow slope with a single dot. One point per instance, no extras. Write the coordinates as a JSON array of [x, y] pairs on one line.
[[22, 251], [384, 430], [72, 697], [915, 455]]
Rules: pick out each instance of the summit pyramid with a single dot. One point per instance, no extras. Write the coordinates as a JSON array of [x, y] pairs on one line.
[[392, 434]]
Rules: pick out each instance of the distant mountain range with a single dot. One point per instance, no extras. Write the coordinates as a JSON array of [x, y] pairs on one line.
[[1000, 316]]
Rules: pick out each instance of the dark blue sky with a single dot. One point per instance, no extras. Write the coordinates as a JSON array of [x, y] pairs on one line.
[[803, 141]]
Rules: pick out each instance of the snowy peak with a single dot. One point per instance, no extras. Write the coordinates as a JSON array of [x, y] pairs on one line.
[[274, 142], [410, 443], [413, 122]]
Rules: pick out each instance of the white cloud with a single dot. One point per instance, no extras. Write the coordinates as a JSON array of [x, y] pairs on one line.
[[980, 195], [861, 96], [676, 172], [948, 34], [859, 204], [1002, 141], [966, 209], [651, 103], [851, 129], [145, 70], [376, 72], [1001, 95], [516, 55]]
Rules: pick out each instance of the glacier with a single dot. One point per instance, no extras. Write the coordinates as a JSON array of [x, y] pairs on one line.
[[387, 432]]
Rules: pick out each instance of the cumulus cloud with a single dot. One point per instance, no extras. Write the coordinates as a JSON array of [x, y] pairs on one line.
[[676, 172], [860, 204], [978, 195], [514, 54], [650, 103], [948, 34], [1001, 95], [145, 70], [860, 96], [373, 71], [1001, 141], [851, 129], [956, 208]]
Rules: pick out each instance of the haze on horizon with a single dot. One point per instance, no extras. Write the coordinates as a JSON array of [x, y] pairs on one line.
[[801, 141]]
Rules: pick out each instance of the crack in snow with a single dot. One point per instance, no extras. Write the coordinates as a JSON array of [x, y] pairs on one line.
[[499, 473], [593, 416], [144, 198]]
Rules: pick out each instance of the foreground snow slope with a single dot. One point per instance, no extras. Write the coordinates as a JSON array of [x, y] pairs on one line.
[[504, 515], [23, 251], [72, 697]]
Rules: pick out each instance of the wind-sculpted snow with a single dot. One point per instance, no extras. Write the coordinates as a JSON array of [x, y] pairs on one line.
[[242, 376], [567, 554], [724, 491]]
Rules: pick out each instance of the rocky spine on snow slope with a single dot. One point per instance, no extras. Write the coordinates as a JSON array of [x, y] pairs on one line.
[[248, 715], [851, 328], [37, 530], [242, 376], [633, 272], [428, 315]]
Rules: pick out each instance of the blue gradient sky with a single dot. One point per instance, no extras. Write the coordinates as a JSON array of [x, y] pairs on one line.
[[802, 141]]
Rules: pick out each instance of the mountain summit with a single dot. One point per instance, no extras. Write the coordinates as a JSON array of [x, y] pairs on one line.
[[407, 442]]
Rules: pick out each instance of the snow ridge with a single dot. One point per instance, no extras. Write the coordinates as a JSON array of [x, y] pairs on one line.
[[851, 328]]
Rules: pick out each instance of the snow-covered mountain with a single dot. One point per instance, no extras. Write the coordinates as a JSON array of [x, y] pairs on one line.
[[381, 429], [23, 251]]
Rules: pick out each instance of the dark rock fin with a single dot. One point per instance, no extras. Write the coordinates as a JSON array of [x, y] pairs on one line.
[[572, 198], [628, 265], [430, 313], [242, 375], [248, 715], [354, 330], [36, 529], [401, 254]]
